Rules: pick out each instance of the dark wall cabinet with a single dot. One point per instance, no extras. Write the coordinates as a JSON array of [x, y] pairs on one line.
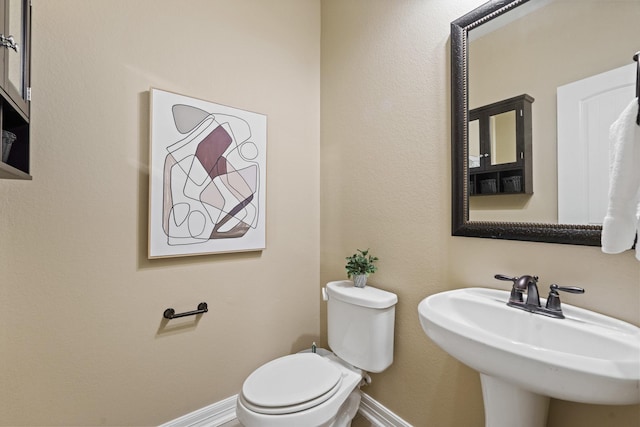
[[15, 90], [500, 147]]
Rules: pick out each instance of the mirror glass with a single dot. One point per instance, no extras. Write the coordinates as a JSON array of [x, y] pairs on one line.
[[544, 48], [16, 56], [501, 142], [502, 137], [474, 144]]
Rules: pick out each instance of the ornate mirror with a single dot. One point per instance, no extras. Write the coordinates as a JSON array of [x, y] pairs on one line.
[[546, 49]]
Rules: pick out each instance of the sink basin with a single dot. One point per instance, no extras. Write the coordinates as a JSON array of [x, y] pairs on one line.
[[586, 357]]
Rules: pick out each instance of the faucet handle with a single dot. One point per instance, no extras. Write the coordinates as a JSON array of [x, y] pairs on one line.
[[516, 294], [553, 301], [570, 289], [506, 278]]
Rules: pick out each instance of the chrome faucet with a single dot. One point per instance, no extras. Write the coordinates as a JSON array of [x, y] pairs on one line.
[[529, 284]]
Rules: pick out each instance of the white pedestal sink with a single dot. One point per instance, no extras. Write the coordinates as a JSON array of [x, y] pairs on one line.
[[525, 358]]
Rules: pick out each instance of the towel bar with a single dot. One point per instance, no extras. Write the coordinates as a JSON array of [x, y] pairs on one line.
[[170, 313]]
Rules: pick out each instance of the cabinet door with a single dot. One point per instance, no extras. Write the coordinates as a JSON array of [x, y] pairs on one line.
[[16, 81], [494, 140], [500, 134], [480, 155]]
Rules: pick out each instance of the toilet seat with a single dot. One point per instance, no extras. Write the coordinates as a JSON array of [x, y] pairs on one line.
[[290, 384]]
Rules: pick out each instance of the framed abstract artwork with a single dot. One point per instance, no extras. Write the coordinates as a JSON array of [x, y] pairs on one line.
[[206, 177]]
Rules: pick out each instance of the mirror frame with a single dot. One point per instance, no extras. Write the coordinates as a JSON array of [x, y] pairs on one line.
[[588, 235]]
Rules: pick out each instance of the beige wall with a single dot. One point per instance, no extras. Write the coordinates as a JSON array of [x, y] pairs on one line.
[[386, 186], [82, 340]]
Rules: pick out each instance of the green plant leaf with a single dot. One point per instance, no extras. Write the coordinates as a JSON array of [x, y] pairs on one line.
[[361, 263]]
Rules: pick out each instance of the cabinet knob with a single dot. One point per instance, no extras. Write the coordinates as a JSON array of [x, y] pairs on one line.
[[8, 42]]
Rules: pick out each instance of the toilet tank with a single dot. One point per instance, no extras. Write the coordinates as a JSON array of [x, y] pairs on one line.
[[361, 324]]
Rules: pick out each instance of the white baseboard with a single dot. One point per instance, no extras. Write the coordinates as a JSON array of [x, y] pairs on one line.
[[378, 414], [213, 415], [224, 411]]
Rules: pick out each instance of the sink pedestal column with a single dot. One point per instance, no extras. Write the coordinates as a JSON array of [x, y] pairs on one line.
[[507, 405]]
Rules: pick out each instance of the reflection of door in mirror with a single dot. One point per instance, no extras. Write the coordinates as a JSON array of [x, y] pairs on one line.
[[586, 109]]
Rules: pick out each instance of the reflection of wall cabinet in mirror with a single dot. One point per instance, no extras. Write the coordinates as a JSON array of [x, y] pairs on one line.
[[500, 147], [15, 30]]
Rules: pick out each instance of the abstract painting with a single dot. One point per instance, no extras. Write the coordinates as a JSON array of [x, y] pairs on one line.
[[206, 178]]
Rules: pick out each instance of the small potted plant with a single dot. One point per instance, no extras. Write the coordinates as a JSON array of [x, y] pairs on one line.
[[359, 266]]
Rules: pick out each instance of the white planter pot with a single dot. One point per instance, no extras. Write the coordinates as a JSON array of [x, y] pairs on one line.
[[360, 280]]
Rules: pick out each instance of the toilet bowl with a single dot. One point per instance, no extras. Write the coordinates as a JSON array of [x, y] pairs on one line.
[[303, 389], [322, 389]]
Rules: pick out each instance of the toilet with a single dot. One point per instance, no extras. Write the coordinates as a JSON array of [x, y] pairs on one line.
[[321, 388]]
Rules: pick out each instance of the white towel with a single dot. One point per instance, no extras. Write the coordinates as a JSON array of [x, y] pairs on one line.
[[623, 212]]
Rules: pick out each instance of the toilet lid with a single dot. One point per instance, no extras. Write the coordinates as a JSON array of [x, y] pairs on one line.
[[300, 380]]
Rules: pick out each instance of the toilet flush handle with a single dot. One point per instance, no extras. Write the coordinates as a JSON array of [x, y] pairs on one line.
[[325, 296]]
